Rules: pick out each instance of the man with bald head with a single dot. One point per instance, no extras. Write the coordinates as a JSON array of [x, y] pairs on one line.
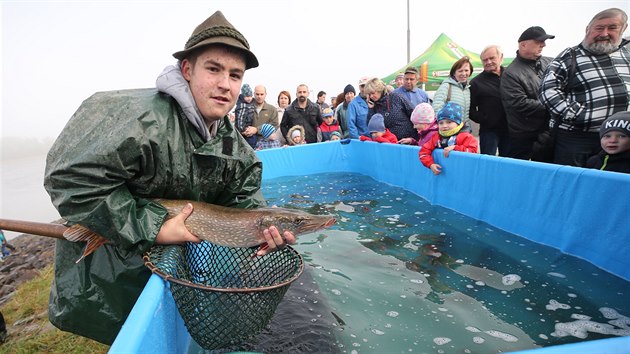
[[486, 107], [264, 112], [598, 87]]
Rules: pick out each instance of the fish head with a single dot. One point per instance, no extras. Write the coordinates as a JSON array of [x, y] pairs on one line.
[[296, 221]]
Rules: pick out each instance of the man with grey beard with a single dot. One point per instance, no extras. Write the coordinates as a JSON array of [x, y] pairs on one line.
[[598, 86]]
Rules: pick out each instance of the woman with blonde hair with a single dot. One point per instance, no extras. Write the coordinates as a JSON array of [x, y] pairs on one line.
[[395, 108]]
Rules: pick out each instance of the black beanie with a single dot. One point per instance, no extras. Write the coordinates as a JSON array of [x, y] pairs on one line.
[[349, 88], [619, 121]]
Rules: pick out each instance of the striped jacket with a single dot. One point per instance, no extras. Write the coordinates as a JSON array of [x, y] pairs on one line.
[[599, 88]]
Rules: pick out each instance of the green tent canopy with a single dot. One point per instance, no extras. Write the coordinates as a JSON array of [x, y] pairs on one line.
[[440, 56]]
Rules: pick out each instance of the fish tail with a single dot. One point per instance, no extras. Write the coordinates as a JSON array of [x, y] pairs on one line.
[[78, 233]]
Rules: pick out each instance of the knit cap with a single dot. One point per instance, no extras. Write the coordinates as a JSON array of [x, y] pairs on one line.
[[246, 91], [266, 130], [451, 111], [619, 121], [423, 114], [377, 123], [327, 112], [349, 88]]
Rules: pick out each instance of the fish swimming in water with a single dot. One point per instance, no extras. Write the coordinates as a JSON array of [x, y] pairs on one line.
[[224, 226]]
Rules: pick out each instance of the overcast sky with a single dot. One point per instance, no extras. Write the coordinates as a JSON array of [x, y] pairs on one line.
[[56, 54]]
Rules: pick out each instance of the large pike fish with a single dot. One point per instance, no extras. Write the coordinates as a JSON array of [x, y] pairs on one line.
[[220, 225]]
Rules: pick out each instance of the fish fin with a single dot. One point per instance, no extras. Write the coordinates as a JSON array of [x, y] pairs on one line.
[[78, 233], [263, 246]]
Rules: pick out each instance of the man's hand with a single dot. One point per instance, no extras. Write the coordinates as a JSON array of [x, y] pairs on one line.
[[274, 241], [250, 131], [174, 231]]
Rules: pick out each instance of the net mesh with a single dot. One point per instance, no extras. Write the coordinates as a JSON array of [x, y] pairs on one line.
[[224, 296]]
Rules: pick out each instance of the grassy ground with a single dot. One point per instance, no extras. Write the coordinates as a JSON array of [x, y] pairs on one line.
[[29, 329]]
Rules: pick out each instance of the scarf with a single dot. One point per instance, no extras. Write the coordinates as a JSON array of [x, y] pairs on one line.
[[451, 132], [172, 82]]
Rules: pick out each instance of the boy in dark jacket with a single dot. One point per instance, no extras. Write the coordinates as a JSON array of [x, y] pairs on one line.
[[614, 136], [244, 113], [329, 124]]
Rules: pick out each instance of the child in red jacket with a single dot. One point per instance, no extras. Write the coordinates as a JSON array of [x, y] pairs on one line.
[[449, 137], [379, 133], [329, 124]]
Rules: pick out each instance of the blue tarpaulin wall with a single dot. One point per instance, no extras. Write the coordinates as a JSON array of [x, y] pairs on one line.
[[585, 213]]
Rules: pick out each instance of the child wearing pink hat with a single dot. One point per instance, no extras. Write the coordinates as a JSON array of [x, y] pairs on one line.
[[423, 119]]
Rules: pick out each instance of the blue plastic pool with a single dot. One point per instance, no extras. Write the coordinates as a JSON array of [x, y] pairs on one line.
[[580, 212]]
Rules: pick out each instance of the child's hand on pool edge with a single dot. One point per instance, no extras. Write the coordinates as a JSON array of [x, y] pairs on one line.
[[436, 169]]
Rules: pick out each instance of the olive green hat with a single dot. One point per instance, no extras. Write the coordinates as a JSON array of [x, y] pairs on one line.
[[217, 30]]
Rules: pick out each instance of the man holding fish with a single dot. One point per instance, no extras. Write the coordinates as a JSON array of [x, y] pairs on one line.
[[121, 149]]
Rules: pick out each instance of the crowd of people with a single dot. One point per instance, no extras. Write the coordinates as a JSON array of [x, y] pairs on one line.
[[175, 141], [567, 99]]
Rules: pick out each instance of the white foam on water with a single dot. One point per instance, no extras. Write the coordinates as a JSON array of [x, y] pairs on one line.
[[610, 313], [503, 336], [473, 329], [480, 283], [441, 340], [378, 332], [478, 340], [392, 314], [416, 281], [554, 305], [616, 319], [459, 261], [577, 316], [571, 295], [510, 279], [580, 329], [443, 309], [542, 336], [336, 292], [557, 275]]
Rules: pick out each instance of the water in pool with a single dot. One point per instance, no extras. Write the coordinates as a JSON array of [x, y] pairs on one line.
[[398, 275]]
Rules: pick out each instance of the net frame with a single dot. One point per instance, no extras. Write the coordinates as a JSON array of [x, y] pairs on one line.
[[224, 295]]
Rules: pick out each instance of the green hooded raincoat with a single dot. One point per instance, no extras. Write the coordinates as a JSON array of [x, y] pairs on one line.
[[119, 149]]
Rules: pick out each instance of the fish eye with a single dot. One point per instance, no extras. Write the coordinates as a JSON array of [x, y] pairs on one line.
[[298, 221]]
